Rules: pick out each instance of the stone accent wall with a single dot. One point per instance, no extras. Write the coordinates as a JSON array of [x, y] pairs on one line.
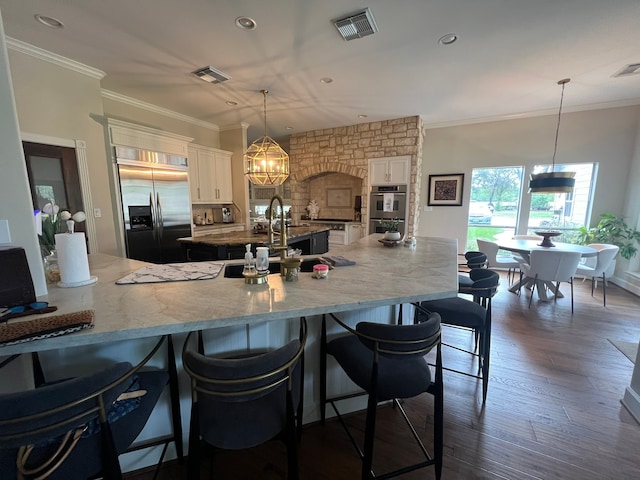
[[347, 150]]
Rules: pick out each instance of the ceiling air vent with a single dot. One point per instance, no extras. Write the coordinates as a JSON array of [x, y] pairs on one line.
[[356, 25], [631, 69], [211, 75]]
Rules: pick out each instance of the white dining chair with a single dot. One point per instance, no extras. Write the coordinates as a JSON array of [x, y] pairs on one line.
[[496, 260], [606, 254], [551, 266], [519, 258]]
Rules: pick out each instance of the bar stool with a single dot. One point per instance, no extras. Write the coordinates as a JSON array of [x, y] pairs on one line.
[[76, 428], [241, 401], [387, 362], [471, 314]]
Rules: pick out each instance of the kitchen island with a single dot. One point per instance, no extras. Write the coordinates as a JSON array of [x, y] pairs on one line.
[[236, 315], [311, 240]]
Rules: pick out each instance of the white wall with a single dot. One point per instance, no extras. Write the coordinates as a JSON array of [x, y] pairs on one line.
[[631, 281], [204, 134], [15, 200], [607, 136]]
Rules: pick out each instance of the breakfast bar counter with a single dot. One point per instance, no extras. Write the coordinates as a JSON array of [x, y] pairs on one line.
[[382, 276], [234, 316]]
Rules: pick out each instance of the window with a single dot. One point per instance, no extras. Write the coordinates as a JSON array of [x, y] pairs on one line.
[[565, 212], [493, 209]]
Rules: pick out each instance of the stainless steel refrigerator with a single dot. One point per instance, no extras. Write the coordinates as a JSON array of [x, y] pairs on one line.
[[156, 207]]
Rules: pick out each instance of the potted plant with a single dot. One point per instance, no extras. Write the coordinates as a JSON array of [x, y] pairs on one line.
[[612, 229], [391, 228]]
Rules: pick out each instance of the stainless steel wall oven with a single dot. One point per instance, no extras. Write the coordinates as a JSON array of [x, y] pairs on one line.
[[386, 202]]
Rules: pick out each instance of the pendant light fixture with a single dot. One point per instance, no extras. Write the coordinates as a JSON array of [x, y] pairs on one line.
[[553, 182], [265, 162]]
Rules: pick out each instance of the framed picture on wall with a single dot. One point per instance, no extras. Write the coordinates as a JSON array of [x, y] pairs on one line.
[[446, 190]]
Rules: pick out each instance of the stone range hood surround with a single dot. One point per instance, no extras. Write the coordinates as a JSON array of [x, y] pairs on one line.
[[317, 188], [347, 150]]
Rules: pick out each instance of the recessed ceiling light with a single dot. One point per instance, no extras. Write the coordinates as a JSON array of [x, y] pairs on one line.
[[326, 80], [231, 103], [289, 128], [246, 23], [362, 115], [448, 39], [49, 21]]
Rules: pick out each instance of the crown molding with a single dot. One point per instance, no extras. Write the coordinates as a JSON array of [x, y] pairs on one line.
[[50, 57], [117, 97], [235, 126], [631, 102]]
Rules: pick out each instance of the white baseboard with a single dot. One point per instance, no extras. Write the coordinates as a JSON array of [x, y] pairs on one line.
[[631, 401], [629, 286]]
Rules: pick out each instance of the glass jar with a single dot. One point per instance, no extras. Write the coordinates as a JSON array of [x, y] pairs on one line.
[[290, 274], [51, 268], [262, 259]]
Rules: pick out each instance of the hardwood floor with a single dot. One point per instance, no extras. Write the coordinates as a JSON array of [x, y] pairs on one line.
[[553, 408]]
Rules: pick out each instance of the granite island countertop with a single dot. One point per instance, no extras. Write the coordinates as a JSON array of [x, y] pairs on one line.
[[382, 276], [248, 236]]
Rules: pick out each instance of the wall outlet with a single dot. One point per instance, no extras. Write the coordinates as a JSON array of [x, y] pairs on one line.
[[97, 213], [428, 209], [5, 234]]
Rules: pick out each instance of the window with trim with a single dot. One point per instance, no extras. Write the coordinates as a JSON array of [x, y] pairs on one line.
[[495, 211], [494, 204], [565, 212]]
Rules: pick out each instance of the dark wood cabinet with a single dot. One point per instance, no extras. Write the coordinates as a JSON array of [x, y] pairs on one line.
[[315, 243], [319, 242]]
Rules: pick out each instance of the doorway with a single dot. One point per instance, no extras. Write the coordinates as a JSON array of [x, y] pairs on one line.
[[54, 178]]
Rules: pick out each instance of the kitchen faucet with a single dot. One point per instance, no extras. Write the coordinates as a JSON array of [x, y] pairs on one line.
[[283, 228]]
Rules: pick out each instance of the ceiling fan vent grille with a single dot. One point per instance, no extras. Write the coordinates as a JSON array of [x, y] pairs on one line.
[[211, 75], [631, 69], [356, 25]]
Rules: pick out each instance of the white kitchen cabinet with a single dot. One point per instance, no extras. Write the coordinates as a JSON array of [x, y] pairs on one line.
[[210, 175], [390, 171]]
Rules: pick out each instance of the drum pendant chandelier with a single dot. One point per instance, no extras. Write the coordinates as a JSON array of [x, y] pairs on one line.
[[265, 162], [553, 182]]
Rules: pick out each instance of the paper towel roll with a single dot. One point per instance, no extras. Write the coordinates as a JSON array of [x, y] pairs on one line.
[[72, 257]]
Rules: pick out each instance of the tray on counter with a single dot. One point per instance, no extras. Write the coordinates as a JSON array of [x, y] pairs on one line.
[[391, 243]]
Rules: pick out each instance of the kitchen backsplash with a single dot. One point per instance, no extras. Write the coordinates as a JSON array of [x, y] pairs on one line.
[[335, 194]]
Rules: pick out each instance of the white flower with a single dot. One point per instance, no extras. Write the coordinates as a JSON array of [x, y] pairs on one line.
[[79, 216], [48, 208], [65, 215]]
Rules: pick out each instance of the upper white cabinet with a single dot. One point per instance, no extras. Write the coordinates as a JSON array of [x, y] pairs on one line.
[[210, 175], [390, 171]]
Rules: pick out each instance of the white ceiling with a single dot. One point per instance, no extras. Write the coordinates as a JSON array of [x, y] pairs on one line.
[[507, 61]]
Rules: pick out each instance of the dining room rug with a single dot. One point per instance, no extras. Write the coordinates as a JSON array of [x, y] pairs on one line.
[[630, 349]]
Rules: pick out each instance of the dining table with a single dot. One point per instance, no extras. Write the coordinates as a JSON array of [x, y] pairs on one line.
[[524, 249]]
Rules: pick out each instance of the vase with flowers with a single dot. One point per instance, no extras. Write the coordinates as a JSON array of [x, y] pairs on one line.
[[53, 221], [391, 228]]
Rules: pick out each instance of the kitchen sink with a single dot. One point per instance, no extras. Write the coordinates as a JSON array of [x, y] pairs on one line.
[[235, 271]]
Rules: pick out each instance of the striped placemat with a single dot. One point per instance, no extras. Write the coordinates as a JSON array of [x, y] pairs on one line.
[[37, 328]]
